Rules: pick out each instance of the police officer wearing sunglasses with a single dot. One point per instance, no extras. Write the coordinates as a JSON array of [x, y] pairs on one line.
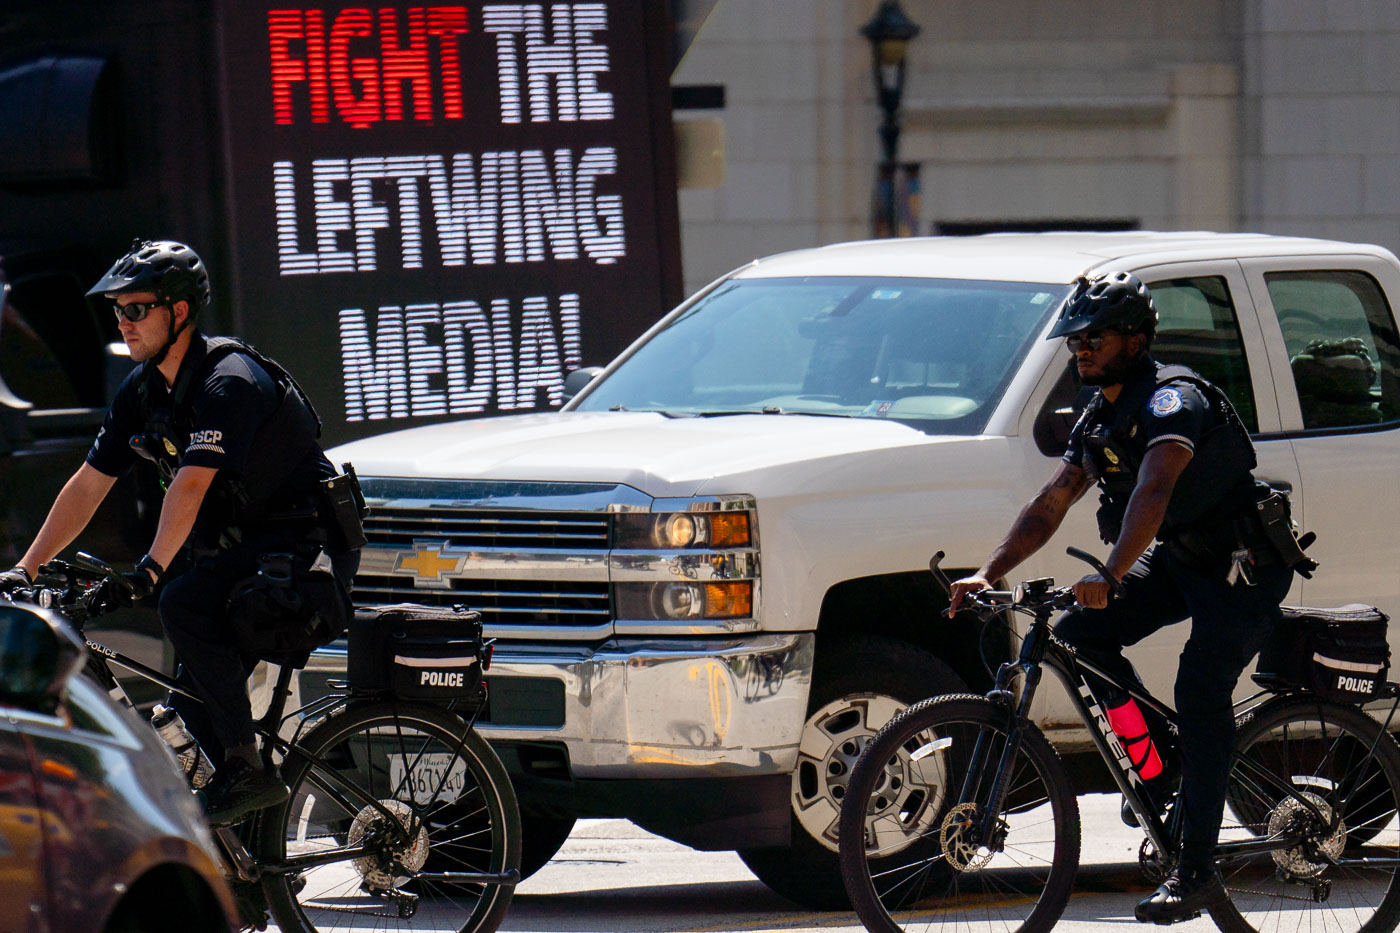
[[1172, 462], [259, 561]]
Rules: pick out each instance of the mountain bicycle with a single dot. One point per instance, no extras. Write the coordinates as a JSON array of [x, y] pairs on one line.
[[401, 816], [959, 813]]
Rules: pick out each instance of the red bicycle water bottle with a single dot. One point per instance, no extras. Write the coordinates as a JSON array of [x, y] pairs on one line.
[[1127, 722]]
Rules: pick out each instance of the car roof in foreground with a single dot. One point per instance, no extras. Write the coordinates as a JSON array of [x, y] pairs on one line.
[[1034, 257]]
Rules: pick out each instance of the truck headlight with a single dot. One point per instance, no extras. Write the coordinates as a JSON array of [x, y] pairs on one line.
[[729, 599], [678, 530]]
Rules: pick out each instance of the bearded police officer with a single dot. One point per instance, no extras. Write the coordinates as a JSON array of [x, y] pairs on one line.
[[1174, 463], [266, 566]]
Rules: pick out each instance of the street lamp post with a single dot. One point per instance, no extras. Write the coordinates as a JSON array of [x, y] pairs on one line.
[[888, 32]]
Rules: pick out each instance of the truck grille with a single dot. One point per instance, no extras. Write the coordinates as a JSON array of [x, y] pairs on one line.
[[511, 538], [487, 528], [500, 602]]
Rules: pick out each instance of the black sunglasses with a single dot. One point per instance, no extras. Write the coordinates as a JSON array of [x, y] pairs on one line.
[[1074, 342], [136, 311]]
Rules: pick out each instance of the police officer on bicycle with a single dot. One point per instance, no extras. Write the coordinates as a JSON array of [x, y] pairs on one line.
[[263, 563], [1172, 462]]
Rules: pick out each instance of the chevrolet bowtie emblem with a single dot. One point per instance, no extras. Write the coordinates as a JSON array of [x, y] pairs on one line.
[[426, 563]]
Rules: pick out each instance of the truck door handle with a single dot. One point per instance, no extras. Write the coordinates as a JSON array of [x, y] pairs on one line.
[[1281, 485]]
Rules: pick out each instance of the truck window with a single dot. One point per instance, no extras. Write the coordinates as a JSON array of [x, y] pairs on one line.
[[1342, 346], [1197, 327], [934, 354]]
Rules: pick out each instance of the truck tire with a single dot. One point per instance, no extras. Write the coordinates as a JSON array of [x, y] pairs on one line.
[[541, 837], [858, 685]]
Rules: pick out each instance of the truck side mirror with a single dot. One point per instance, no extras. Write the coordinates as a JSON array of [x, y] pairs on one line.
[[575, 381], [39, 653], [1060, 413]]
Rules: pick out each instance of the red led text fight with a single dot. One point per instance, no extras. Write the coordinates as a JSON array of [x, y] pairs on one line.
[[363, 66]]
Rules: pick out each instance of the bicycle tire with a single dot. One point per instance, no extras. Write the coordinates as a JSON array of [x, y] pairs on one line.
[[1321, 749], [901, 797], [476, 830]]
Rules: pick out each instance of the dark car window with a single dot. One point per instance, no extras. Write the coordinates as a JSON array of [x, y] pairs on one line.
[[53, 344], [29, 368]]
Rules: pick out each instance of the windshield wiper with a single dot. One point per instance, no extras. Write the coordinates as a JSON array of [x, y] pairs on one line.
[[651, 411], [771, 410]]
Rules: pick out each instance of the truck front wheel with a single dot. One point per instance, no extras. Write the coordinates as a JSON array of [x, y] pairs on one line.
[[858, 685]]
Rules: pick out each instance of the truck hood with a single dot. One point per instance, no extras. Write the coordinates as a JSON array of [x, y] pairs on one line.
[[648, 451]]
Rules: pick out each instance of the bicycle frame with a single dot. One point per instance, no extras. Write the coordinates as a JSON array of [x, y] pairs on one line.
[[1041, 649], [322, 775]]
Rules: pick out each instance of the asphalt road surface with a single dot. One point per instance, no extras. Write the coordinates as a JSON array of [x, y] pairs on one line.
[[612, 877]]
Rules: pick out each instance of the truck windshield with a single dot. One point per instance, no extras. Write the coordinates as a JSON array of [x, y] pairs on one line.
[[935, 354]]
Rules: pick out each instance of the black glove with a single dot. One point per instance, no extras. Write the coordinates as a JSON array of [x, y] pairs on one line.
[[14, 580], [128, 587]]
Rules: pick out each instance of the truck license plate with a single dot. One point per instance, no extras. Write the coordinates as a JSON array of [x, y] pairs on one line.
[[427, 783]]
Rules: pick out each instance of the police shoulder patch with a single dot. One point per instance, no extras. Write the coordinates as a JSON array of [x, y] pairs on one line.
[[1165, 401]]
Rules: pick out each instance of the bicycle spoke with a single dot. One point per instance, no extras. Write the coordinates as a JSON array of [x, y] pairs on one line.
[[1335, 796], [931, 869], [433, 804]]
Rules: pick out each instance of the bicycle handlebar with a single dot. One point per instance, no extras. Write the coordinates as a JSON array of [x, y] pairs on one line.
[[1049, 595], [71, 589]]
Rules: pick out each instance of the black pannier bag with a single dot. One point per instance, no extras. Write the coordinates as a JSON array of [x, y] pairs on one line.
[[417, 652], [1340, 654]]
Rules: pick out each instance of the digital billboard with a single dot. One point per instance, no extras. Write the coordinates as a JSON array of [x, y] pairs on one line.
[[437, 211]]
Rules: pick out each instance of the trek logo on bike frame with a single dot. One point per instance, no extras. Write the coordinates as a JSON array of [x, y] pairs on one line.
[[1110, 736]]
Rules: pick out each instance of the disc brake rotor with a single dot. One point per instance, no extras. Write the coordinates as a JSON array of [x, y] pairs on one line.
[[1288, 816], [381, 871], [961, 850]]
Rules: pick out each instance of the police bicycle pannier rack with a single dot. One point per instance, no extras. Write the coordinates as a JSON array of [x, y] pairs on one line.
[[1340, 654], [417, 652]]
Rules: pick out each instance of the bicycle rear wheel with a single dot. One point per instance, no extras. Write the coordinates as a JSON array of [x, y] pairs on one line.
[[913, 855], [450, 795], [1329, 880]]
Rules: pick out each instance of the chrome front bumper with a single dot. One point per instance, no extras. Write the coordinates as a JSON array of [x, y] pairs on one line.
[[644, 708]]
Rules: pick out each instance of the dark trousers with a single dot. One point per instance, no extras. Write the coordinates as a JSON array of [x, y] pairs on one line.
[[193, 611], [1228, 626]]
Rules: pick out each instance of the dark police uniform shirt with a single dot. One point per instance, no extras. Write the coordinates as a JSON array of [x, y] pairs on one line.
[[1214, 488], [1177, 412], [223, 412]]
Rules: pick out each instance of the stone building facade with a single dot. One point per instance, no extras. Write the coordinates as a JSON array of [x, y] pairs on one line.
[[1280, 116]]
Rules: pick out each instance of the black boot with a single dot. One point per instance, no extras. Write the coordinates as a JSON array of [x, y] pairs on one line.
[[239, 788], [1182, 896]]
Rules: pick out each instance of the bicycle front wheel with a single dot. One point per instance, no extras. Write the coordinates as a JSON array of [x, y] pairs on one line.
[[1323, 782], [419, 766], [919, 850]]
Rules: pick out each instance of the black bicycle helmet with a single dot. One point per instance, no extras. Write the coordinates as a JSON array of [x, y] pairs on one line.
[[1117, 300], [167, 268]]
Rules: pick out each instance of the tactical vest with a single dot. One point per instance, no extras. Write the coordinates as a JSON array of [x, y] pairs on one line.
[[279, 444], [1216, 481]]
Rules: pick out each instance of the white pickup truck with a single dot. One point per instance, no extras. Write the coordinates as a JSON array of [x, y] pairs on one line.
[[707, 573]]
